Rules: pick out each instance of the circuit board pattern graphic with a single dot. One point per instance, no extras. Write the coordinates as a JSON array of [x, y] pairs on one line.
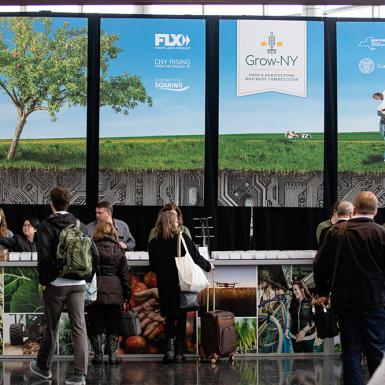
[[152, 188], [34, 186], [350, 184], [270, 189]]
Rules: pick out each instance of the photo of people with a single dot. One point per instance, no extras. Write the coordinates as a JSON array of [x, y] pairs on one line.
[[381, 113], [285, 322]]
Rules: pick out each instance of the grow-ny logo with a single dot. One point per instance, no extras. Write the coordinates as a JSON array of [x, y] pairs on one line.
[[271, 43], [171, 40]]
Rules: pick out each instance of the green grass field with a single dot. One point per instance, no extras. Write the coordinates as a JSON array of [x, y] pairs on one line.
[[358, 152]]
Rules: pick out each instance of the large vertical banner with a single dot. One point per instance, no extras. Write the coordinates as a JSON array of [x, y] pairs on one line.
[[43, 98], [152, 145], [361, 108], [271, 113]]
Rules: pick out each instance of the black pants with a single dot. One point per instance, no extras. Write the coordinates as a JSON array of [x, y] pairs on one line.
[[303, 346], [176, 327], [103, 319]]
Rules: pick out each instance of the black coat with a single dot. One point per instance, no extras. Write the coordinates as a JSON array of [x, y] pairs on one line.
[[18, 243], [47, 242], [360, 278], [162, 254], [112, 273]]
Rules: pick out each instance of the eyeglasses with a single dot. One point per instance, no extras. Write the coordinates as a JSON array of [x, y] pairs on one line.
[[29, 225]]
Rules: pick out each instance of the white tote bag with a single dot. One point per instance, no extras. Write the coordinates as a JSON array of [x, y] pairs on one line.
[[191, 276]]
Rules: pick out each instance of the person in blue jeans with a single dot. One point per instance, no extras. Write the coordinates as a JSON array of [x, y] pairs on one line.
[[358, 294], [381, 113]]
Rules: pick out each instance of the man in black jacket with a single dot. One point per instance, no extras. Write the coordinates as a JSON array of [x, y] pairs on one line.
[[358, 293], [59, 292]]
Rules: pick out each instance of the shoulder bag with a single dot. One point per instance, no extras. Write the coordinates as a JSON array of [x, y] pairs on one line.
[[325, 317], [191, 276]]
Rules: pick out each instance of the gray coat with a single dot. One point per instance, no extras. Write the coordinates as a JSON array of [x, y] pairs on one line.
[[122, 230]]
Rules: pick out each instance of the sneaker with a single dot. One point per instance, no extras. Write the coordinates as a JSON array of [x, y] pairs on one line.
[[35, 369], [76, 379]]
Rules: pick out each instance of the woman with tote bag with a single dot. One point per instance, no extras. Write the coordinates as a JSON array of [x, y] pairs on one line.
[[162, 250]]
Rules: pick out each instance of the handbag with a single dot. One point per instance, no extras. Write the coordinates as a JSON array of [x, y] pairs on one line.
[[129, 322], [326, 322], [91, 291], [325, 317], [191, 276], [188, 301]]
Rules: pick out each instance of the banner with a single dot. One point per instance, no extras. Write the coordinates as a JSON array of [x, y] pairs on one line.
[[154, 152], [271, 56], [361, 108]]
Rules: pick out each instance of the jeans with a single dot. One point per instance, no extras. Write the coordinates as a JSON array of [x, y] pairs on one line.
[[54, 299], [362, 331]]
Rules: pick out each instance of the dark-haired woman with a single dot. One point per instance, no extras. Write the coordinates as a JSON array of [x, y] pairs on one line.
[[26, 241], [103, 316], [162, 251], [302, 328]]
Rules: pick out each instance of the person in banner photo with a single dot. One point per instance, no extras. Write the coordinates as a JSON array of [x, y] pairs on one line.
[[381, 113], [300, 326]]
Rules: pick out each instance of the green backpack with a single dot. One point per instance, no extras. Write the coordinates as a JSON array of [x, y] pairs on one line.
[[74, 253]]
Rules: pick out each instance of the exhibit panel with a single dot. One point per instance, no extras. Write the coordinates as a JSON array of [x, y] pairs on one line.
[[43, 99], [361, 108], [257, 286], [271, 113], [152, 144]]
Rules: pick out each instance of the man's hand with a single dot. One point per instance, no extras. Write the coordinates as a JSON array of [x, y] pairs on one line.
[[123, 245]]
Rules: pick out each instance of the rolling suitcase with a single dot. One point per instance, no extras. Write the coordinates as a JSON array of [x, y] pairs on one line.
[[218, 333]]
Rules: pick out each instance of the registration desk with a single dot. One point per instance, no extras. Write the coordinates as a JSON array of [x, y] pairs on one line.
[[255, 285]]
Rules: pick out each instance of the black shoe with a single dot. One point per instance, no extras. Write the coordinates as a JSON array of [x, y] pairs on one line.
[[179, 356], [169, 356], [35, 369], [114, 348]]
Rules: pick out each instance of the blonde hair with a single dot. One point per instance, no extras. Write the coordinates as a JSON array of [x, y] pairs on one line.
[[166, 225], [104, 228], [3, 225]]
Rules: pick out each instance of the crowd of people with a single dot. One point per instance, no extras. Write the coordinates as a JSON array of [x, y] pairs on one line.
[[110, 239], [351, 240]]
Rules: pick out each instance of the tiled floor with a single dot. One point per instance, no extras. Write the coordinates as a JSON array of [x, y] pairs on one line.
[[261, 371]]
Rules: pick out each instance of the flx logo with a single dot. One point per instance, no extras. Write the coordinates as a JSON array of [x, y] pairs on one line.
[[171, 40]]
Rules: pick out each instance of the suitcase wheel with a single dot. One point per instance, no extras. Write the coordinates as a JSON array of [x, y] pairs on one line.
[[213, 358]]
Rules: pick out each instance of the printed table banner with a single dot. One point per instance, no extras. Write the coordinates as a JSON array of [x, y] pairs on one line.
[[271, 56]]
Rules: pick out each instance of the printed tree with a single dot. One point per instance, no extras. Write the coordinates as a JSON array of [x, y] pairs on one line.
[[43, 68]]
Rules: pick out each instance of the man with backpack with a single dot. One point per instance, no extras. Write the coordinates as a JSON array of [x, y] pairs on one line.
[[66, 259]]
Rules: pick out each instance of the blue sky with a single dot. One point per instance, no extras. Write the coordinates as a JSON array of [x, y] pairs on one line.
[[173, 113], [270, 112], [356, 108], [70, 123]]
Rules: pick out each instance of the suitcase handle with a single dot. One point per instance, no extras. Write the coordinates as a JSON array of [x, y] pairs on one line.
[[208, 294]]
